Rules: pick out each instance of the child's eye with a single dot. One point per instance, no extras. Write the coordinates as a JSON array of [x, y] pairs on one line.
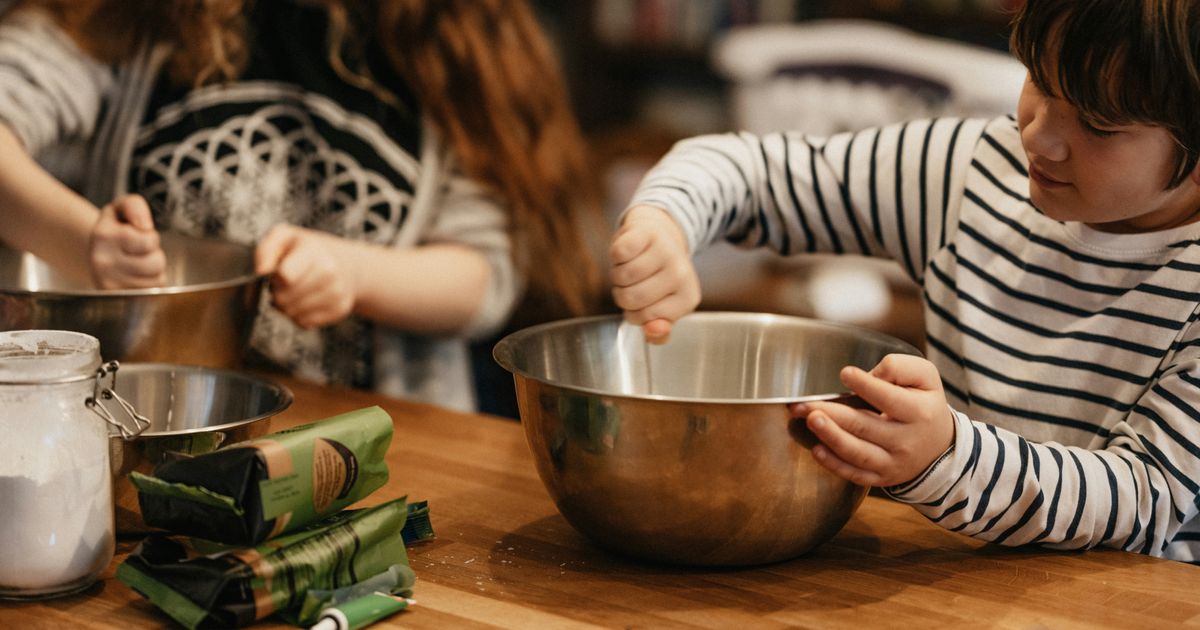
[[1099, 132]]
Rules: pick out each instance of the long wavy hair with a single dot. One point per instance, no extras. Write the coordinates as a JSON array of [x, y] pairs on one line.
[[483, 71]]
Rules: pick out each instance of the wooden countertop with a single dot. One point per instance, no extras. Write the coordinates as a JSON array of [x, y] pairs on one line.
[[504, 557]]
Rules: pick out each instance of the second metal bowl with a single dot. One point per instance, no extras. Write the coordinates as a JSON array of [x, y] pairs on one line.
[[192, 410]]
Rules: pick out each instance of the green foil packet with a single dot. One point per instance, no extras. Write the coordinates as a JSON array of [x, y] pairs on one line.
[[245, 493], [198, 582]]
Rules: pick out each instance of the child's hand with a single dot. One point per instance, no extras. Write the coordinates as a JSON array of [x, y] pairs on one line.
[[653, 278], [913, 428], [125, 251], [310, 282]]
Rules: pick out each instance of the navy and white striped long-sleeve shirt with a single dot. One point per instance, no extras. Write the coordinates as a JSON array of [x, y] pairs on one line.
[[1071, 356]]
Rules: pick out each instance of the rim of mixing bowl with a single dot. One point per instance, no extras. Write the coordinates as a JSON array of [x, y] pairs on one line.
[[285, 394], [116, 293], [171, 241], [502, 353]]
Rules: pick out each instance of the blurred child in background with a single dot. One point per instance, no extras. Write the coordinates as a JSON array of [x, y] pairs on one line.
[[400, 164]]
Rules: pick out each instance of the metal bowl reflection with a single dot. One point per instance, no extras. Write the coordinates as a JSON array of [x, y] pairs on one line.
[[684, 453], [192, 410]]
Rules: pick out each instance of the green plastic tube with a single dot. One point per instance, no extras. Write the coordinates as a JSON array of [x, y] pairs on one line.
[[361, 612]]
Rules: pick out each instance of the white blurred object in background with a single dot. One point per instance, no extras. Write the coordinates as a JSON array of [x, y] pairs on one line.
[[826, 76], [852, 290]]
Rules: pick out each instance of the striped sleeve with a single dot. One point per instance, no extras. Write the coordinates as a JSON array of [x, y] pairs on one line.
[[50, 91], [1134, 492], [887, 192]]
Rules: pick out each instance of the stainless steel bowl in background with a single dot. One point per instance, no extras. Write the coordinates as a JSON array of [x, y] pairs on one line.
[[202, 316], [685, 453], [192, 410]]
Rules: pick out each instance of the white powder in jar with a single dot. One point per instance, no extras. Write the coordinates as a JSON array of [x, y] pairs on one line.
[[56, 530]]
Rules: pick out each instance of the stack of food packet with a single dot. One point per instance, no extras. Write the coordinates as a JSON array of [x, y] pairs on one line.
[[258, 528]]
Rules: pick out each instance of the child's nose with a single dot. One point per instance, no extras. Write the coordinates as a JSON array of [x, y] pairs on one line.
[[1043, 135]]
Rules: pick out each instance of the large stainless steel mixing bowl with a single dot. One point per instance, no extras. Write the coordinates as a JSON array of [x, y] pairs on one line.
[[202, 316], [685, 453], [192, 410]]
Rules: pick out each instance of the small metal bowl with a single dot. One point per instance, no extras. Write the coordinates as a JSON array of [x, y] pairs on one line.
[[202, 316], [192, 410], [685, 453]]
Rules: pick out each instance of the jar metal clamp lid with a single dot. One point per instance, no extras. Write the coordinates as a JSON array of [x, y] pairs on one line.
[[100, 393]]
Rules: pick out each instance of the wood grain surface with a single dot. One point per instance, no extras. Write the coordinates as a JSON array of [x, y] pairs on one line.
[[503, 557]]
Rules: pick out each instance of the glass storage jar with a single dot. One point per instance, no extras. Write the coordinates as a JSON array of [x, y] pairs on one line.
[[56, 532]]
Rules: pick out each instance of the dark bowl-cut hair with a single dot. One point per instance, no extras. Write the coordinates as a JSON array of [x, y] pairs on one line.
[[1120, 62]]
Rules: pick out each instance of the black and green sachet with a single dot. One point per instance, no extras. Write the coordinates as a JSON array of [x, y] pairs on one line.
[[200, 583], [249, 492]]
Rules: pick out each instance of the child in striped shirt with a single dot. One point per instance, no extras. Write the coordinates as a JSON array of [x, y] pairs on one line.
[[1060, 402]]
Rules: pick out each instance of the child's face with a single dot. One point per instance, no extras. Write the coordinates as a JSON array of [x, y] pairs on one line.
[[1112, 178]]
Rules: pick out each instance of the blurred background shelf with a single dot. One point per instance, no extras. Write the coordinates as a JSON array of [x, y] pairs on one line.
[[618, 51]]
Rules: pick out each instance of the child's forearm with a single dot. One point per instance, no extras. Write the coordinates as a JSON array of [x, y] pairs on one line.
[[39, 214], [711, 185], [432, 289], [997, 486]]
